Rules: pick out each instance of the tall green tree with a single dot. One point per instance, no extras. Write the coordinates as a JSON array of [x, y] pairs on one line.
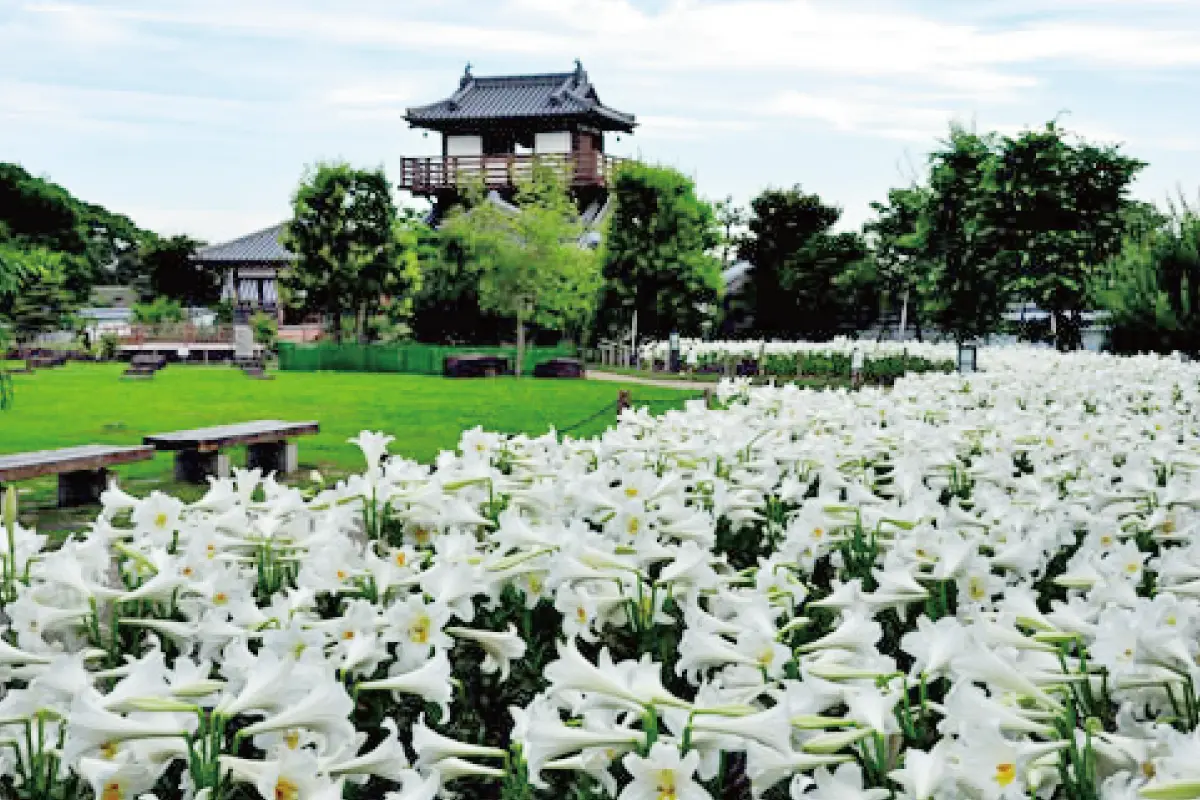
[[1060, 216], [898, 250], [344, 232], [528, 260], [16, 268], [1151, 289], [966, 287], [657, 256], [801, 267], [172, 273], [42, 303]]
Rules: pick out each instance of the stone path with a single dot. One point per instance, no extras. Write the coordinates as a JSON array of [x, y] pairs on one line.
[[615, 377]]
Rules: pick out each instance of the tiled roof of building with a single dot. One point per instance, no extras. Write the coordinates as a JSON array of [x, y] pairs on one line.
[[258, 247], [555, 95]]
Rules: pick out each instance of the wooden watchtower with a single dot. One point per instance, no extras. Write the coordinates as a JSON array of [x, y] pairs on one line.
[[494, 129]]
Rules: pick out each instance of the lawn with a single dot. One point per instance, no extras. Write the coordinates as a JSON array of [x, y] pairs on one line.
[[89, 403]]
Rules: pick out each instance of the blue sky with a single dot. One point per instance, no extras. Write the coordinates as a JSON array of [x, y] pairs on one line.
[[199, 116]]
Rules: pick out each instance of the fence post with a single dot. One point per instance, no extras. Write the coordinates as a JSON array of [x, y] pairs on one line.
[[708, 397], [624, 401]]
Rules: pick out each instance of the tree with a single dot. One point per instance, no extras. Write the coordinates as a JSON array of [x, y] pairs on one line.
[[732, 219], [351, 255], [898, 250], [103, 246], [447, 308], [530, 265], [1152, 287], [801, 269], [173, 274], [43, 302], [965, 286], [1060, 216], [657, 260], [16, 268]]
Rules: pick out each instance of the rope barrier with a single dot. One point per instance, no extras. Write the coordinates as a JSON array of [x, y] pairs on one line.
[[626, 399], [605, 409]]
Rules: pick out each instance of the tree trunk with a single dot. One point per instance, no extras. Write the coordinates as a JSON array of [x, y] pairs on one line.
[[335, 322], [520, 341]]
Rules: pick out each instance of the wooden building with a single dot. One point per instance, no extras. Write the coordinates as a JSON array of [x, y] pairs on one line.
[[249, 268], [494, 129]]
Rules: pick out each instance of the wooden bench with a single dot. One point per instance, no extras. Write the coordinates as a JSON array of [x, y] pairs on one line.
[[144, 365], [560, 368], [44, 360], [255, 368], [82, 471], [268, 447], [475, 365]]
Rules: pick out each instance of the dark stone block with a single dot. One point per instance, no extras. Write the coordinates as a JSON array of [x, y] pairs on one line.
[[559, 368]]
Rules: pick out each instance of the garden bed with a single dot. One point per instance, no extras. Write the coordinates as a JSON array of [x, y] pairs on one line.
[[968, 586]]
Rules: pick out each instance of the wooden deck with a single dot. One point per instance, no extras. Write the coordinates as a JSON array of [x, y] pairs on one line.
[[506, 171]]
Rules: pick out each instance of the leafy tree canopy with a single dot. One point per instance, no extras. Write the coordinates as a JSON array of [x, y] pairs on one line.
[[37, 213], [801, 268], [528, 261], [657, 257], [353, 256]]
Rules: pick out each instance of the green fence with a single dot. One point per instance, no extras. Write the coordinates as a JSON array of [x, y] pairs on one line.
[[419, 359]]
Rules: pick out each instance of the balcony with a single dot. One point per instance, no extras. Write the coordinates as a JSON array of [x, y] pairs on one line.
[[450, 173]]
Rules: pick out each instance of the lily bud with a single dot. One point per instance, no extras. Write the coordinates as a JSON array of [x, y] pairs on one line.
[[10, 509]]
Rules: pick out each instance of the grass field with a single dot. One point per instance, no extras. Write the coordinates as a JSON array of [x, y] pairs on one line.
[[89, 403]]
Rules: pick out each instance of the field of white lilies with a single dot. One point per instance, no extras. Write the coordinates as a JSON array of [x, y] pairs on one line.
[[880, 360], [978, 586]]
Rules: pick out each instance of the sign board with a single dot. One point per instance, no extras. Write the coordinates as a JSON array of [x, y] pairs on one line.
[[856, 361], [243, 341], [967, 359]]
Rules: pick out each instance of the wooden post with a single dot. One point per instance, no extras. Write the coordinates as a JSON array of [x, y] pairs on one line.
[[708, 397], [279, 457], [81, 487], [194, 466], [624, 401]]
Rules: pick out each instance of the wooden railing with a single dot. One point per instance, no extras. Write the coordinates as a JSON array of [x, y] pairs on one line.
[[502, 171], [179, 332]]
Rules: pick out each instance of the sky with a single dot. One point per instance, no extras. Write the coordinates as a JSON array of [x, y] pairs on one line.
[[200, 116]]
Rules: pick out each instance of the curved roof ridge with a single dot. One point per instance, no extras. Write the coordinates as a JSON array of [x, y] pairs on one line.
[[258, 246]]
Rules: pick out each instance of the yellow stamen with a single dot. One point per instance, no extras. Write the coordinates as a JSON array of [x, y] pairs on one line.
[[286, 790], [665, 785]]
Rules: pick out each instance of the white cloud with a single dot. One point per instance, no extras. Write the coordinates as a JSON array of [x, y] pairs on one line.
[[273, 83], [666, 127], [898, 117]]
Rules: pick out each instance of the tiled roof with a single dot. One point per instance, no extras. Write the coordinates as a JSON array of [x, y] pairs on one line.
[[556, 94], [258, 247]]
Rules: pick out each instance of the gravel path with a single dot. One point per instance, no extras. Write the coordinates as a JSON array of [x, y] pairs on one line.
[[614, 377]]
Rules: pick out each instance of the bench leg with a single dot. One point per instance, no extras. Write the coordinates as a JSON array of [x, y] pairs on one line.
[[192, 466], [82, 487], [278, 457]]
